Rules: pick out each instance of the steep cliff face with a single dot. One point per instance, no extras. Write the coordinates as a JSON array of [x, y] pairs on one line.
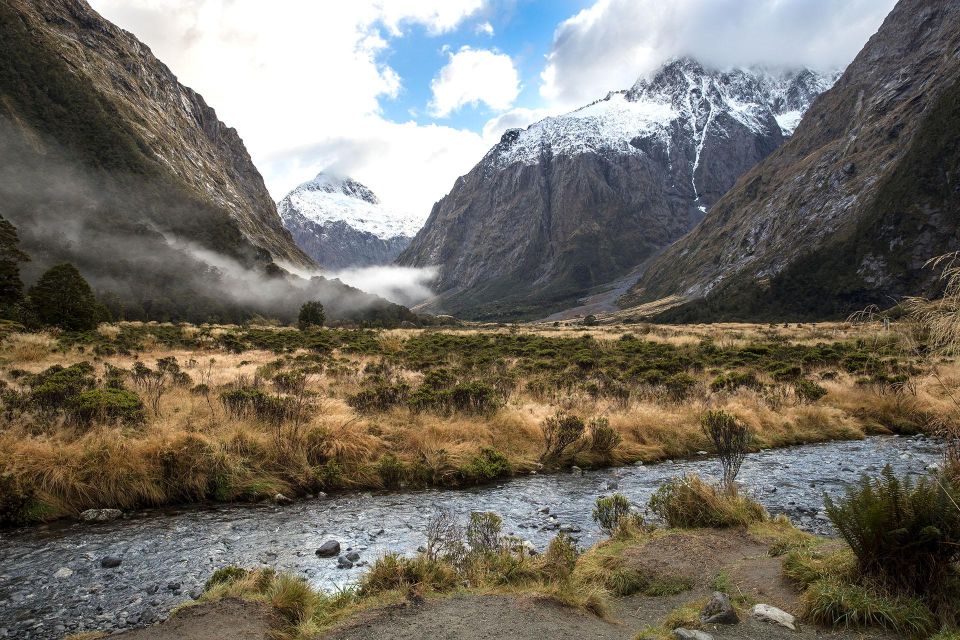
[[846, 213], [575, 201], [341, 224], [172, 128]]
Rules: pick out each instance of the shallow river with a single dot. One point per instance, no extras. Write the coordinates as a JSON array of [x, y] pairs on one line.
[[52, 582]]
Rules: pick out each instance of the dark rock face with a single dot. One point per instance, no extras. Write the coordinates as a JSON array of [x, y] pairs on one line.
[[576, 201], [337, 245], [847, 212]]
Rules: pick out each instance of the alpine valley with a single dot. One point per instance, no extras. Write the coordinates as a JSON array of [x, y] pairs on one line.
[[576, 201]]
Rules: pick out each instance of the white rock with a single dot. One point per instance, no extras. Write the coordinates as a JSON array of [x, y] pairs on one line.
[[766, 613], [690, 634], [100, 515], [63, 573]]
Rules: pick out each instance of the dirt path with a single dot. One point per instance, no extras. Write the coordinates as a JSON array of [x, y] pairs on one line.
[[227, 619]]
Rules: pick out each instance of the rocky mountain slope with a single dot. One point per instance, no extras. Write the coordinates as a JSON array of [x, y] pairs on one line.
[[575, 201], [340, 223], [847, 212], [108, 162]]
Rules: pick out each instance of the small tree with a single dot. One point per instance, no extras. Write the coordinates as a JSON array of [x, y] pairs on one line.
[[62, 298], [730, 438], [11, 287], [311, 315], [560, 431]]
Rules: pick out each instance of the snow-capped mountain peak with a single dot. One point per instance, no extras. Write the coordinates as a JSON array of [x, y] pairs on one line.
[[681, 92], [331, 198]]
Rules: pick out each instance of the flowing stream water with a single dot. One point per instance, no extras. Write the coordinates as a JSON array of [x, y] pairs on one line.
[[52, 582]]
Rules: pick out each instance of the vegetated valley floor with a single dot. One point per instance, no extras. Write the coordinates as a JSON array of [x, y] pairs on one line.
[[135, 415]]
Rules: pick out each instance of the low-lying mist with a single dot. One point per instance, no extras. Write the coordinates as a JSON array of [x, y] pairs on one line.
[[151, 249]]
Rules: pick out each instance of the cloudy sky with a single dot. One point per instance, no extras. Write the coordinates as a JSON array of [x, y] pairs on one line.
[[406, 95]]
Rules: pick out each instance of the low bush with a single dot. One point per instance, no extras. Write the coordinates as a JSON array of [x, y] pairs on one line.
[[109, 405], [730, 439], [691, 502], [382, 396], [904, 533], [736, 380], [487, 466], [603, 438], [679, 386], [610, 511], [56, 388], [808, 390], [560, 432]]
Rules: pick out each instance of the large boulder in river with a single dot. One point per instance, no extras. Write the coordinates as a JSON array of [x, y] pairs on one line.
[[329, 549]]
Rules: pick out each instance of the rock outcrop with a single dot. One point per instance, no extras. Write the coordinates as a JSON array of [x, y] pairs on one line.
[[848, 211], [576, 201]]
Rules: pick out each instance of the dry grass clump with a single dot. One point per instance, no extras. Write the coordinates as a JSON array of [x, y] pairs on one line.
[[689, 502]]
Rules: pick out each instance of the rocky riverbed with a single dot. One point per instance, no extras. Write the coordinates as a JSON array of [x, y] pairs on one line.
[[66, 578]]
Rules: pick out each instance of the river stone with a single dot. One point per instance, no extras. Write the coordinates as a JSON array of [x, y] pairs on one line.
[[329, 549], [766, 613], [690, 634], [100, 515], [344, 563], [353, 556], [719, 610], [63, 572], [577, 471], [282, 499], [110, 562]]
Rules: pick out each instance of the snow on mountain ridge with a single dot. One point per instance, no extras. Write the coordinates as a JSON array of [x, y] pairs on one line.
[[329, 198], [682, 92]]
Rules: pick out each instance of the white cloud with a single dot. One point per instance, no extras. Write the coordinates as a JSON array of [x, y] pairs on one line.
[[519, 118], [474, 76], [297, 76], [611, 43], [484, 28]]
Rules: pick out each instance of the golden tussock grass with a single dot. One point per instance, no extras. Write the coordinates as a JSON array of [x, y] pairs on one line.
[[192, 449]]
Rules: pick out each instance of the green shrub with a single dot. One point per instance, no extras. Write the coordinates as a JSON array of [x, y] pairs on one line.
[[489, 465], [905, 534], [808, 390], [465, 397], [391, 471], [289, 381], [560, 431], [603, 438], [109, 405], [15, 500], [787, 373], [691, 502], [394, 572], [383, 396], [484, 532], [610, 511], [680, 385], [56, 388], [735, 380], [225, 575]]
